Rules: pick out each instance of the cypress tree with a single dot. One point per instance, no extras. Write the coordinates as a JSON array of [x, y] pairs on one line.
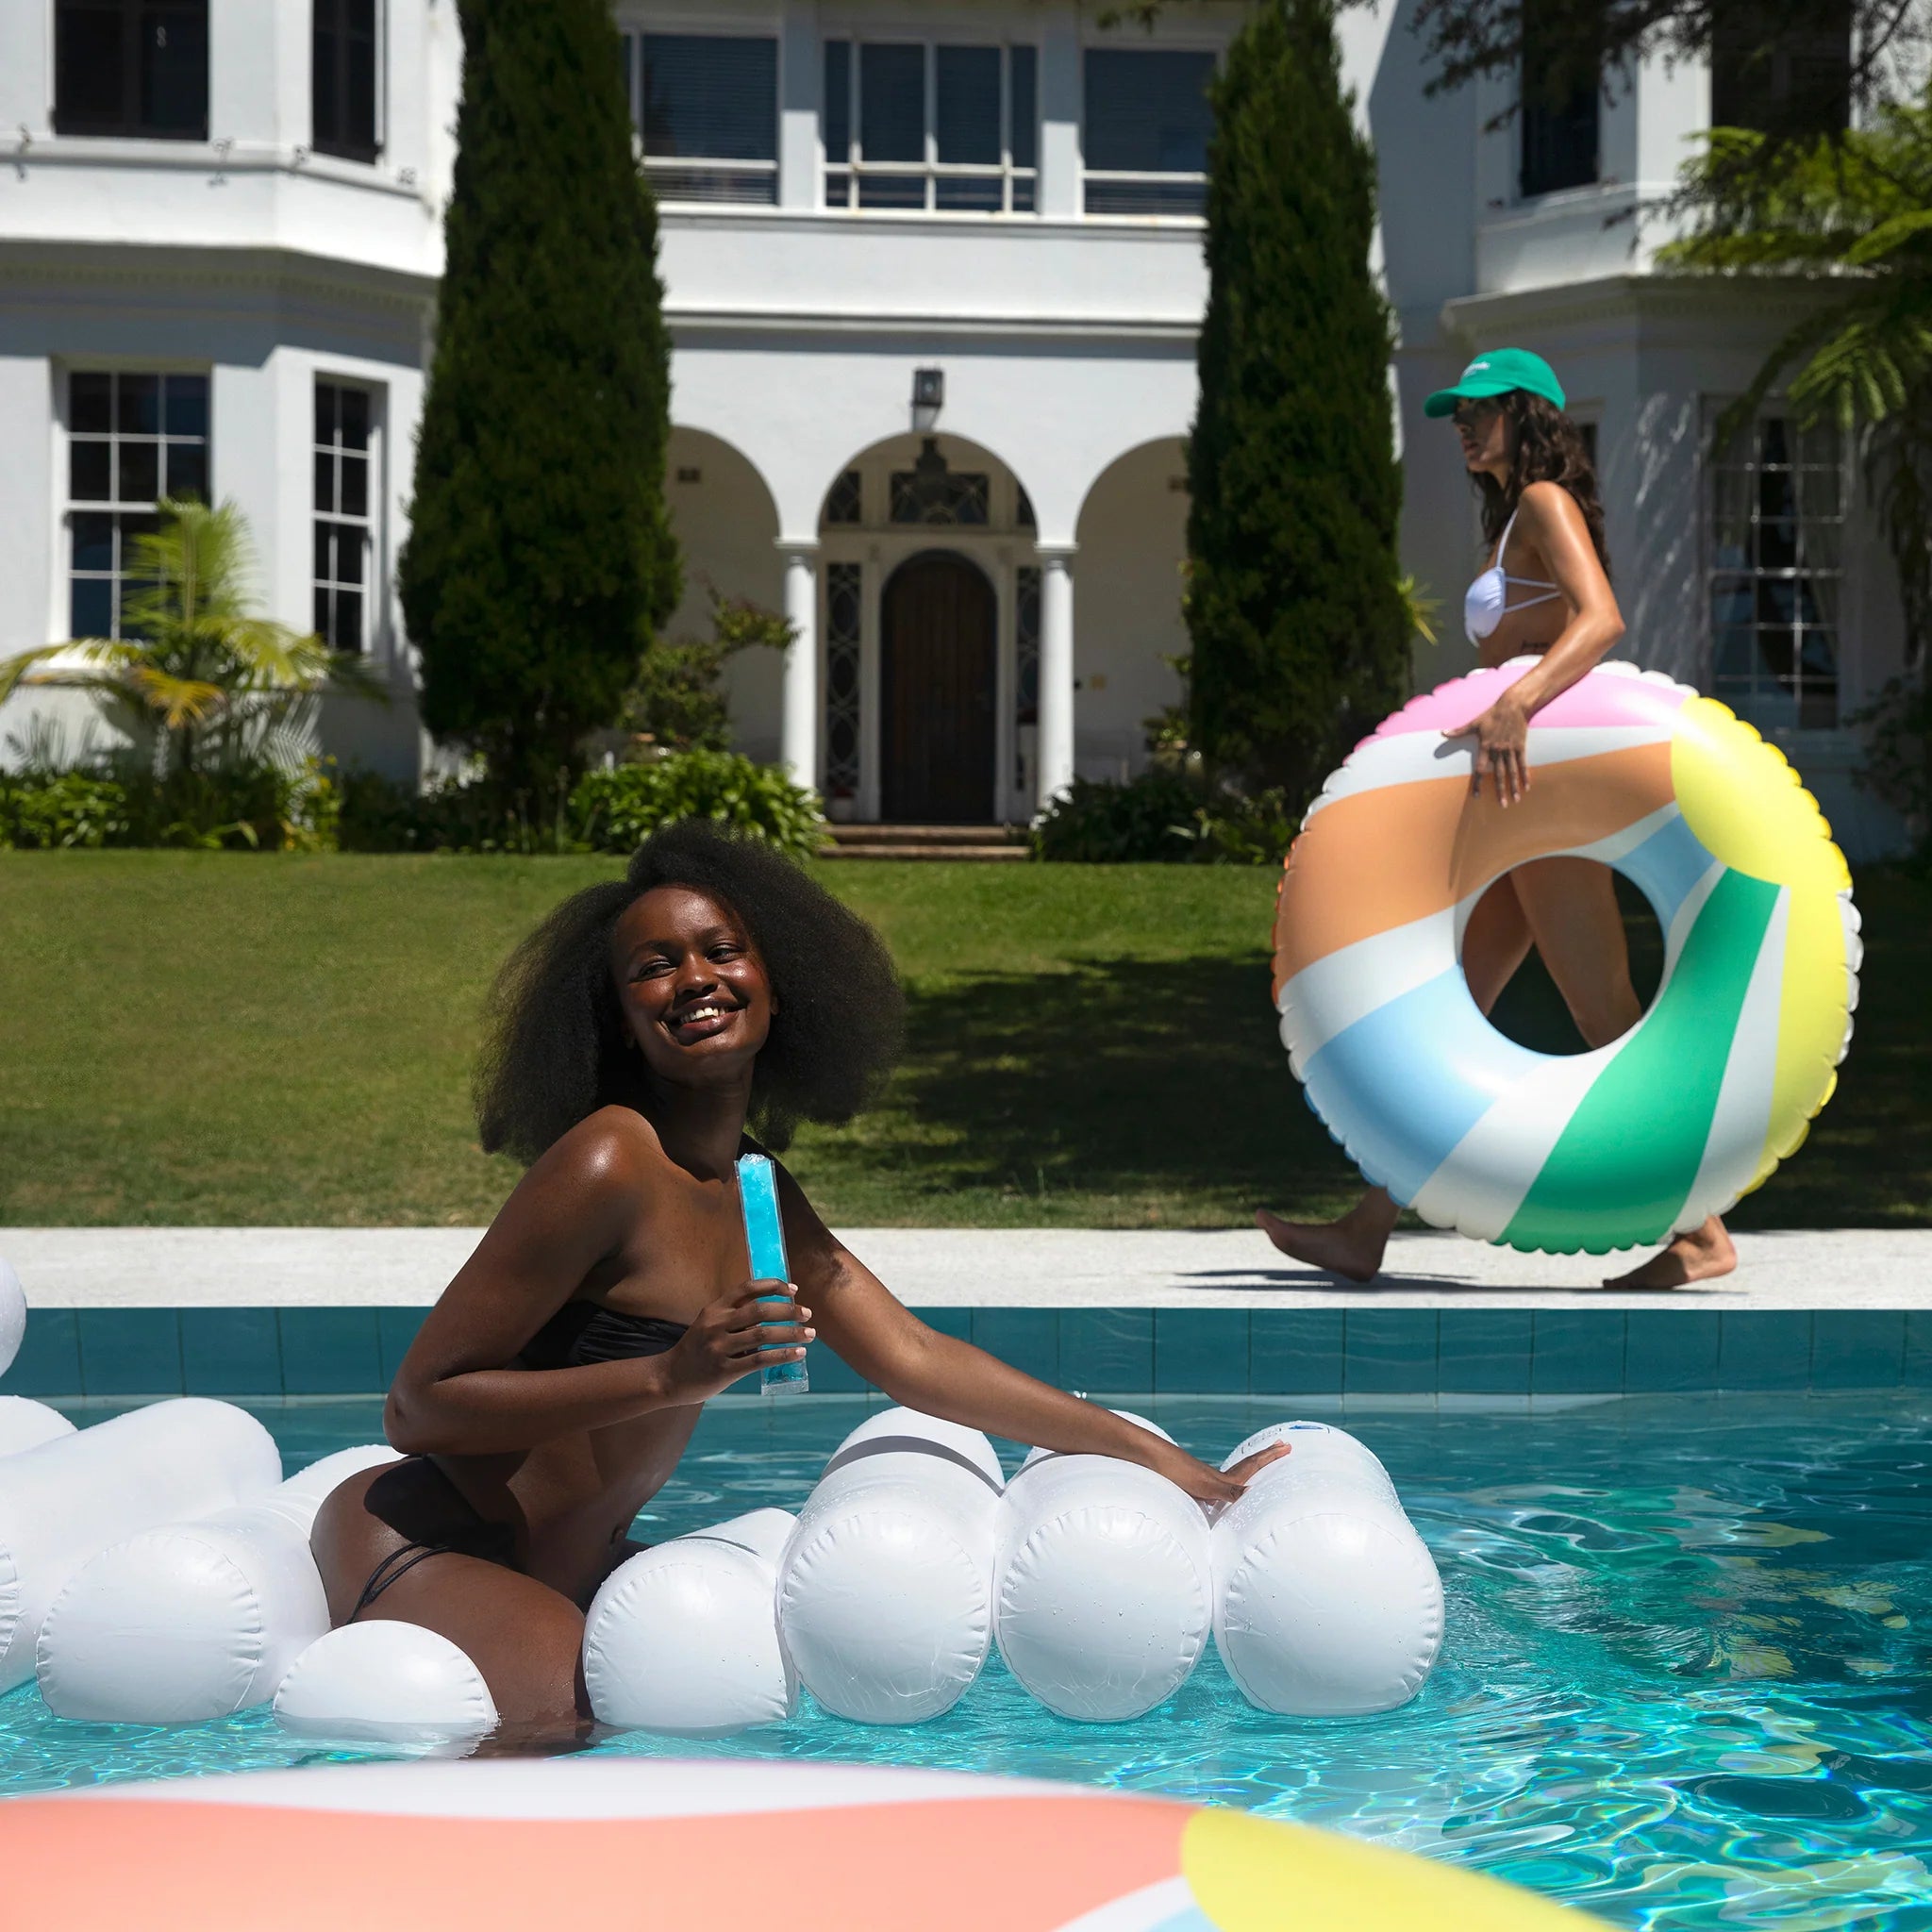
[[541, 562], [1300, 640]]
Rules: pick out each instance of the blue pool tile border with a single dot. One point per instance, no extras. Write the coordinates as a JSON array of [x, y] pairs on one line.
[[1370, 1353]]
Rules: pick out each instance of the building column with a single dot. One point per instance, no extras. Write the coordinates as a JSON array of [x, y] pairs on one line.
[[1054, 758], [801, 82], [798, 737]]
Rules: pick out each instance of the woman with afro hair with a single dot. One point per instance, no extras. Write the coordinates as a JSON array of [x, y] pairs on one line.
[[551, 1391]]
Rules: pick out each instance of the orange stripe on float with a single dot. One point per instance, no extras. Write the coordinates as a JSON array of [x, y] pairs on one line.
[[108, 1864], [1378, 859]]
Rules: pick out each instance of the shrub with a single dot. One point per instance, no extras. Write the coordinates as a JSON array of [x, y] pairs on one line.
[[676, 699], [1165, 815], [1898, 752], [48, 811], [615, 810]]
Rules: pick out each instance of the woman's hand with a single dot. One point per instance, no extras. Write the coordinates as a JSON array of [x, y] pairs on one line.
[[760, 1325], [1501, 746], [1206, 1483]]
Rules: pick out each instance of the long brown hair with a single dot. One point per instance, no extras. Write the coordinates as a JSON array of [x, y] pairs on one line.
[[1549, 449]]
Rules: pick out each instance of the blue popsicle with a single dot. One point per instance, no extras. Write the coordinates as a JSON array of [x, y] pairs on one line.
[[764, 1234]]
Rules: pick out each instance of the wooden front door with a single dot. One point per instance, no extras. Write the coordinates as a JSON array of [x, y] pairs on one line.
[[937, 681]]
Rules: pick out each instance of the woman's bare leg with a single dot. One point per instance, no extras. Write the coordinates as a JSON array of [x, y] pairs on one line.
[[525, 1638], [1495, 944], [1570, 904]]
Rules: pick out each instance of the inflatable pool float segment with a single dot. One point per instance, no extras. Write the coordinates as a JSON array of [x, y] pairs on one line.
[[708, 1846], [1690, 1108]]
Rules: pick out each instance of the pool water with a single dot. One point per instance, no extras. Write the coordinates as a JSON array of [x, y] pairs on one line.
[[1685, 1682]]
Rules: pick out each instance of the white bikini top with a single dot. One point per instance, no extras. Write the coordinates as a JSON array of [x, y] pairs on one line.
[[1487, 601]]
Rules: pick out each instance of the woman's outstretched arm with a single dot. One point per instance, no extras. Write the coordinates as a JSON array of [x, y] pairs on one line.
[[869, 1328]]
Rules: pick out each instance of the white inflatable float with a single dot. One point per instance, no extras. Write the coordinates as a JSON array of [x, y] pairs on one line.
[[67, 1500], [25, 1425], [885, 1593], [684, 1639], [12, 1315], [1328, 1604], [387, 1683], [194, 1619], [1104, 1589]]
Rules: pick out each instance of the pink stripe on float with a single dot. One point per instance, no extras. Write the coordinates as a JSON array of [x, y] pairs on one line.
[[1600, 698]]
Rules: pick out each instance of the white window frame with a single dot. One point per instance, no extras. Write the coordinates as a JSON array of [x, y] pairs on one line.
[[856, 168], [662, 167], [368, 588], [1100, 44], [62, 617]]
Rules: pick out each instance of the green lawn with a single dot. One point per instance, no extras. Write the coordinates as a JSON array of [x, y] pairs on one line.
[[215, 1039]]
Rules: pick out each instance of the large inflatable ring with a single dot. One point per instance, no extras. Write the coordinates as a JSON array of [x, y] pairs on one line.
[[1692, 1106]]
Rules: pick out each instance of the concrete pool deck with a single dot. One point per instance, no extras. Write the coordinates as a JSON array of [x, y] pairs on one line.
[[1020, 1268]]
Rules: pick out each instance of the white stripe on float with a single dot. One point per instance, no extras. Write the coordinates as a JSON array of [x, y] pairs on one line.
[[1168, 1903], [591, 1789], [1741, 1121]]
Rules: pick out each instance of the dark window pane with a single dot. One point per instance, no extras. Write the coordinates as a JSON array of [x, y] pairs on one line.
[[837, 188], [349, 549], [322, 621], [140, 408], [93, 540], [966, 103], [91, 608], [1781, 66], [174, 70], [1146, 197], [354, 497], [326, 399], [325, 79], [891, 191], [1022, 197], [1147, 110], [89, 402], [90, 471], [1559, 110], [324, 552], [1026, 109], [354, 409], [892, 103], [186, 405], [345, 634], [89, 68], [838, 100], [358, 88], [712, 96], [141, 473], [326, 481], [975, 195], [188, 470]]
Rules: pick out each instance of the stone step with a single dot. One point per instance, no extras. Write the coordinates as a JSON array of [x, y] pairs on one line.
[[1000, 843]]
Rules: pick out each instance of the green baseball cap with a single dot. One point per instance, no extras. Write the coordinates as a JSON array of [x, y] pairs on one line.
[[1494, 373]]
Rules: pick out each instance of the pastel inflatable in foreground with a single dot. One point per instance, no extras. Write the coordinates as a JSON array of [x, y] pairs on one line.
[[494, 1847], [194, 1619], [25, 1425], [1699, 1100], [64, 1501], [12, 1315]]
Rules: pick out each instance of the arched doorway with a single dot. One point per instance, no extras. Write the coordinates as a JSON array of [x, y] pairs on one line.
[[937, 680]]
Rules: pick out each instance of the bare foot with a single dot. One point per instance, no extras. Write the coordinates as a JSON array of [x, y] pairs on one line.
[[1702, 1254], [1351, 1247]]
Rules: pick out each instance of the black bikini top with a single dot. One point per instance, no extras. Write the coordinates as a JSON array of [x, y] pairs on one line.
[[581, 1332]]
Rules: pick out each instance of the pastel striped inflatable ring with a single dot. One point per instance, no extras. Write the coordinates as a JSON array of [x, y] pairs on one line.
[[704, 1846], [1690, 1108]]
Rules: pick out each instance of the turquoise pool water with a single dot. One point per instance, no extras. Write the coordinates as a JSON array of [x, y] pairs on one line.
[[1687, 1681]]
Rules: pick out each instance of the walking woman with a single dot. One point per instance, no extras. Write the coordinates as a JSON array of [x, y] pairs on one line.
[[554, 1386], [1546, 592]]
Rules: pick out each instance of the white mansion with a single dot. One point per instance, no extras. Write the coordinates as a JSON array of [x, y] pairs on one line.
[[934, 276]]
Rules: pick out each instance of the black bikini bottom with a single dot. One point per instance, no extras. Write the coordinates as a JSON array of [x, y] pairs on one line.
[[416, 1499]]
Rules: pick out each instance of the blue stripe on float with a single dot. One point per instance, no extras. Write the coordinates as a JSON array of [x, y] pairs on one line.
[[1404, 1084], [1667, 866]]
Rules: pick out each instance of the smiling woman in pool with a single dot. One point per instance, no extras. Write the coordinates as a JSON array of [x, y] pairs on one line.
[[553, 1387]]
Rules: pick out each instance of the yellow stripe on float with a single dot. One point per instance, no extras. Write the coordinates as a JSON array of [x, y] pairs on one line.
[[1810, 1022], [1252, 1874]]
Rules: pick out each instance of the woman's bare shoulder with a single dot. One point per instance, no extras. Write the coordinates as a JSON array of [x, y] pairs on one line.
[[614, 1148], [1547, 503]]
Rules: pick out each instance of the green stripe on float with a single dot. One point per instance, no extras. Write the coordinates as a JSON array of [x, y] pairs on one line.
[[1622, 1169]]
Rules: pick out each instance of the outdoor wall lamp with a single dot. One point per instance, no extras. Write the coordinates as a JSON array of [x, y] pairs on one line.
[[928, 396]]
